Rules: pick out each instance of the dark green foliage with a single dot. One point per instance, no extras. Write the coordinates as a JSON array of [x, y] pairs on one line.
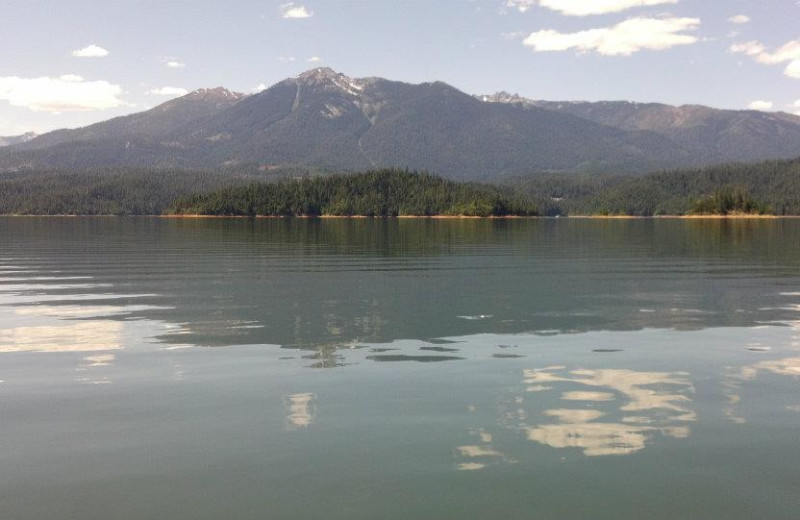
[[768, 187], [727, 201], [115, 192], [384, 193]]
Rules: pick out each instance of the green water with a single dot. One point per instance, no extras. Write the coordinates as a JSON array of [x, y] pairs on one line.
[[209, 369]]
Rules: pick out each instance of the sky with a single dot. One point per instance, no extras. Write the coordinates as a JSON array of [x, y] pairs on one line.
[[71, 63]]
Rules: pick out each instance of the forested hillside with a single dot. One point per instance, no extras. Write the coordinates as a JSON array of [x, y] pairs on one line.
[[114, 192], [767, 187], [385, 193]]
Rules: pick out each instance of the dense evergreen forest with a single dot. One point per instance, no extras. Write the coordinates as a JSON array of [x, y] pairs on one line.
[[383, 193], [106, 192], [767, 187]]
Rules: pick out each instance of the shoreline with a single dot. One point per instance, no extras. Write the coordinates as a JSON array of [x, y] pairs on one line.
[[428, 217]]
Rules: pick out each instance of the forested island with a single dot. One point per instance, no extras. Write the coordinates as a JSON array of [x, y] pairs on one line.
[[383, 193], [771, 187]]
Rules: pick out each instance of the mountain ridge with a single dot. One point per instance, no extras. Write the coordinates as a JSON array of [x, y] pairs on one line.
[[736, 134], [11, 140], [325, 120]]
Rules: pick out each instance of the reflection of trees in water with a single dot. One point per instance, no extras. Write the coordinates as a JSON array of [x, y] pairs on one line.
[[307, 282], [639, 238]]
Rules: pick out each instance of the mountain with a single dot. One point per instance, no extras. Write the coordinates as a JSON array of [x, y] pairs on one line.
[[324, 120], [735, 135], [330, 121], [16, 139], [155, 137]]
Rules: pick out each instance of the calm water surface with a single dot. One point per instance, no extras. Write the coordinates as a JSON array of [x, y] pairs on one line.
[[547, 369]]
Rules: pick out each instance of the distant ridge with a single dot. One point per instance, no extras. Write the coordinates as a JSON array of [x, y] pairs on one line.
[[323, 120], [16, 139], [736, 135]]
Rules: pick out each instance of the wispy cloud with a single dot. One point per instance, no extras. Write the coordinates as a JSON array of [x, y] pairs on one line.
[[623, 39], [172, 62], [292, 10], [286, 59], [788, 53], [739, 19], [585, 7], [760, 104], [168, 91], [751, 48], [521, 5], [259, 88], [90, 51], [314, 59], [65, 93]]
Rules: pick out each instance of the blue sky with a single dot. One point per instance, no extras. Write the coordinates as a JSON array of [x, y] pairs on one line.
[[71, 63]]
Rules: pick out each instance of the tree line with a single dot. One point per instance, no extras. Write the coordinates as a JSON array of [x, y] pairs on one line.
[[381, 193], [766, 187]]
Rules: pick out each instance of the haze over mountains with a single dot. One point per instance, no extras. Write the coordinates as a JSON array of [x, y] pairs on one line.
[[736, 135], [16, 139], [324, 120]]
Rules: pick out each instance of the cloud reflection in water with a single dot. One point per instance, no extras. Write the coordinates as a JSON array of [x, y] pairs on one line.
[[656, 399], [301, 410]]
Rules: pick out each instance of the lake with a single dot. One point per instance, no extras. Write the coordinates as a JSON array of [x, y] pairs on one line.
[[341, 369]]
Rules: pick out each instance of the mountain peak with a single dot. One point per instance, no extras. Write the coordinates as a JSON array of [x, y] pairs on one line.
[[319, 74], [326, 77], [218, 93], [505, 97]]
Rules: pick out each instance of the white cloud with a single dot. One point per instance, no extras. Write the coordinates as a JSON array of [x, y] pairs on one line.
[[65, 93], [259, 88], [797, 106], [760, 104], [739, 19], [168, 91], [788, 53], [71, 78], [291, 10], [793, 69], [521, 5], [585, 7], [286, 59], [314, 59], [172, 62], [90, 51], [751, 48], [623, 39]]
